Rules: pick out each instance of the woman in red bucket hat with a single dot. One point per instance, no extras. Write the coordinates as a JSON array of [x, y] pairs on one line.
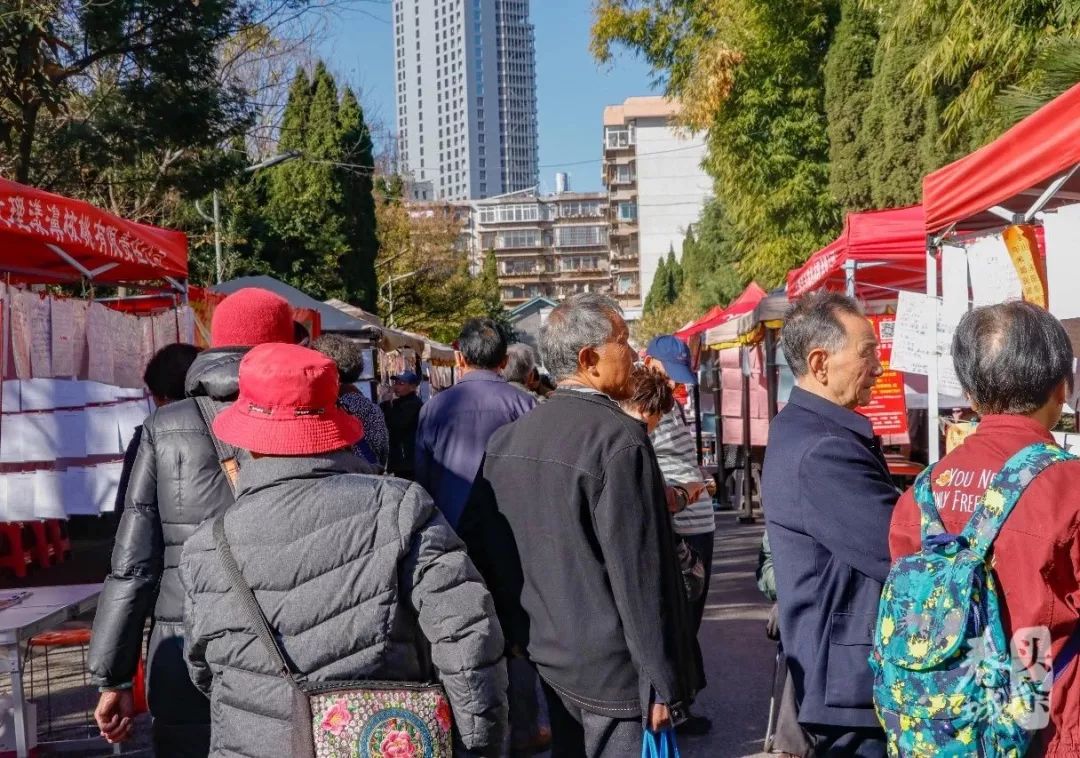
[[359, 576]]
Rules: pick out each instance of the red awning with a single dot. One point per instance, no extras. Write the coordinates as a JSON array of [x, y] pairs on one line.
[[889, 248], [49, 238], [744, 303], [1011, 172]]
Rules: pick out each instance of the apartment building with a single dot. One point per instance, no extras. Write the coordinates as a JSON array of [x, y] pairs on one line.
[[656, 188], [465, 87], [549, 246]]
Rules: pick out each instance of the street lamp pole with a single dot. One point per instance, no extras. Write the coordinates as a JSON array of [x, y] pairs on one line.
[[389, 285], [216, 218]]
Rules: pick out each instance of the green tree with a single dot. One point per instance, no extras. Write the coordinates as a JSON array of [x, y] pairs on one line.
[[849, 68], [314, 223], [751, 73], [710, 270], [358, 264]]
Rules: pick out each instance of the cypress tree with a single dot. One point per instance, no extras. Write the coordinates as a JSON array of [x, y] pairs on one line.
[[357, 150], [849, 70], [657, 296]]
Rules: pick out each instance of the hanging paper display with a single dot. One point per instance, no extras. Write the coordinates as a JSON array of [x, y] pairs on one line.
[[1023, 247], [887, 409]]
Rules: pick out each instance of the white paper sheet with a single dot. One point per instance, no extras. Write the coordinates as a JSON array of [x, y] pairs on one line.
[[41, 339], [78, 497], [187, 324], [11, 447], [1062, 230], [78, 339], [147, 348], [103, 480], [19, 496], [914, 333], [71, 434], [165, 329], [28, 437], [129, 416], [11, 400], [63, 337], [102, 431], [48, 495], [954, 284], [128, 363], [993, 275], [22, 313], [99, 343]]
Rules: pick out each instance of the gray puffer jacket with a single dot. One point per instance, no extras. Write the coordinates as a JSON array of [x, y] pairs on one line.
[[360, 578]]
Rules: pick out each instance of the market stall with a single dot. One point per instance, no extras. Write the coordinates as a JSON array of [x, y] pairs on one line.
[[984, 214], [72, 392]]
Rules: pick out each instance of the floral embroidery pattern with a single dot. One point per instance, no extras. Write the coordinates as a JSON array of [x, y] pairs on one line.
[[374, 723]]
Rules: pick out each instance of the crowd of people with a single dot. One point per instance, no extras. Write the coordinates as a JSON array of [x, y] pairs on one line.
[[464, 539], [846, 549], [458, 540]]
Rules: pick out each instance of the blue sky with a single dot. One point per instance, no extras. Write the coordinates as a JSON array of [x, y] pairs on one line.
[[572, 89]]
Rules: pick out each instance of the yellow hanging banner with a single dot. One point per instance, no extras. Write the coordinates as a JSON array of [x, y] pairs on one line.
[[1023, 247]]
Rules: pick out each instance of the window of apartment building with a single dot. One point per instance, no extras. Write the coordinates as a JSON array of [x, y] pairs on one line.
[[626, 211], [619, 136], [519, 266], [514, 238], [624, 174], [579, 236], [624, 285]]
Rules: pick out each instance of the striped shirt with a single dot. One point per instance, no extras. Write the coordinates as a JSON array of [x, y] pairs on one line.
[[676, 452]]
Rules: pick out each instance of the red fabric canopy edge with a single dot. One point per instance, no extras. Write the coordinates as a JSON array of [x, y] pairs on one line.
[[1010, 171], [31, 219], [744, 303], [893, 236]]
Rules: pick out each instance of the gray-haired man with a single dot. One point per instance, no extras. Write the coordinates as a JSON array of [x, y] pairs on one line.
[[583, 567], [521, 371]]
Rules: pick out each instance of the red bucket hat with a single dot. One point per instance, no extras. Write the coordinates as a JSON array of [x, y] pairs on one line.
[[287, 404]]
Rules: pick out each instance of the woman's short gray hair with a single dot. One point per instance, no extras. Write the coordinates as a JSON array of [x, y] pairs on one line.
[[580, 321]]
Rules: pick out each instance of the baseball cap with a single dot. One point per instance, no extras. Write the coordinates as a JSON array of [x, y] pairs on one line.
[[674, 355]]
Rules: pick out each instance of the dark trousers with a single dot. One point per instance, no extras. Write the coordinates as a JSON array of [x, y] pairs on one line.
[[524, 705], [577, 733], [702, 544], [846, 741], [181, 712]]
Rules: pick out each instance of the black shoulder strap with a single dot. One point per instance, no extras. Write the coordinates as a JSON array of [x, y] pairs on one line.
[[226, 453], [248, 602]]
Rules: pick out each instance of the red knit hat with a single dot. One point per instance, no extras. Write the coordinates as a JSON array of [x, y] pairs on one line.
[[287, 404], [249, 317]]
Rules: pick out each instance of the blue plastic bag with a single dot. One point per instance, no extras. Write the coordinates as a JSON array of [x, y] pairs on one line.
[[659, 744]]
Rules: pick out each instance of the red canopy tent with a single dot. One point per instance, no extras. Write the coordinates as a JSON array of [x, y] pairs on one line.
[[1028, 168], [743, 304], [46, 238], [880, 250]]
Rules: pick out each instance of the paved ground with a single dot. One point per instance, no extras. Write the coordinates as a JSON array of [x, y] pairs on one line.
[[738, 656]]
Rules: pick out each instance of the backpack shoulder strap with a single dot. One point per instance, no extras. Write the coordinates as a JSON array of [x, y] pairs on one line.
[[930, 520], [226, 453], [1005, 490]]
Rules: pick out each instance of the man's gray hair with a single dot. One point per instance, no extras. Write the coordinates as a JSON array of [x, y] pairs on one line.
[[580, 321], [813, 322], [520, 363]]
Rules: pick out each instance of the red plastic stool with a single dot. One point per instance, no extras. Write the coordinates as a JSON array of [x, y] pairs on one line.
[[17, 555], [43, 551], [75, 636], [57, 532]]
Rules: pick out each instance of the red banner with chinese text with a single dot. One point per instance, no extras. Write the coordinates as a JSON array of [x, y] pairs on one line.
[[887, 409]]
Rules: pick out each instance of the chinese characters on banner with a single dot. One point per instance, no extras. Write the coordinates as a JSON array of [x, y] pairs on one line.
[[887, 409]]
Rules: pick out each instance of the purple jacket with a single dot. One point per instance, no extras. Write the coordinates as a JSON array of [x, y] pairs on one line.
[[454, 429]]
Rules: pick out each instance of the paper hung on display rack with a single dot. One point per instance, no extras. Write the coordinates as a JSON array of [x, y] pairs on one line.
[[72, 401], [920, 336]]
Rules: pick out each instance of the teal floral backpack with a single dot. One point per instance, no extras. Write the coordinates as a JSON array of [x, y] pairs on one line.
[[946, 681]]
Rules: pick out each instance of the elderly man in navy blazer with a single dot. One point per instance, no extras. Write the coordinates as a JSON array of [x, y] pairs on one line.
[[828, 499]]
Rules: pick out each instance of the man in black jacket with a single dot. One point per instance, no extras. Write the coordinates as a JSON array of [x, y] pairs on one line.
[[402, 420], [568, 524], [176, 483]]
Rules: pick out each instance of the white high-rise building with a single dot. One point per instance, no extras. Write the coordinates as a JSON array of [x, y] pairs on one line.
[[656, 190], [465, 97]]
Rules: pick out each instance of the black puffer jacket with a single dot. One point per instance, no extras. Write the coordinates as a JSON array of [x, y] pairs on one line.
[[176, 484]]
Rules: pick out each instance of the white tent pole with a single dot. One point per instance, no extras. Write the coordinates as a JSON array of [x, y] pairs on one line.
[[1048, 193], [849, 277], [932, 446]]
